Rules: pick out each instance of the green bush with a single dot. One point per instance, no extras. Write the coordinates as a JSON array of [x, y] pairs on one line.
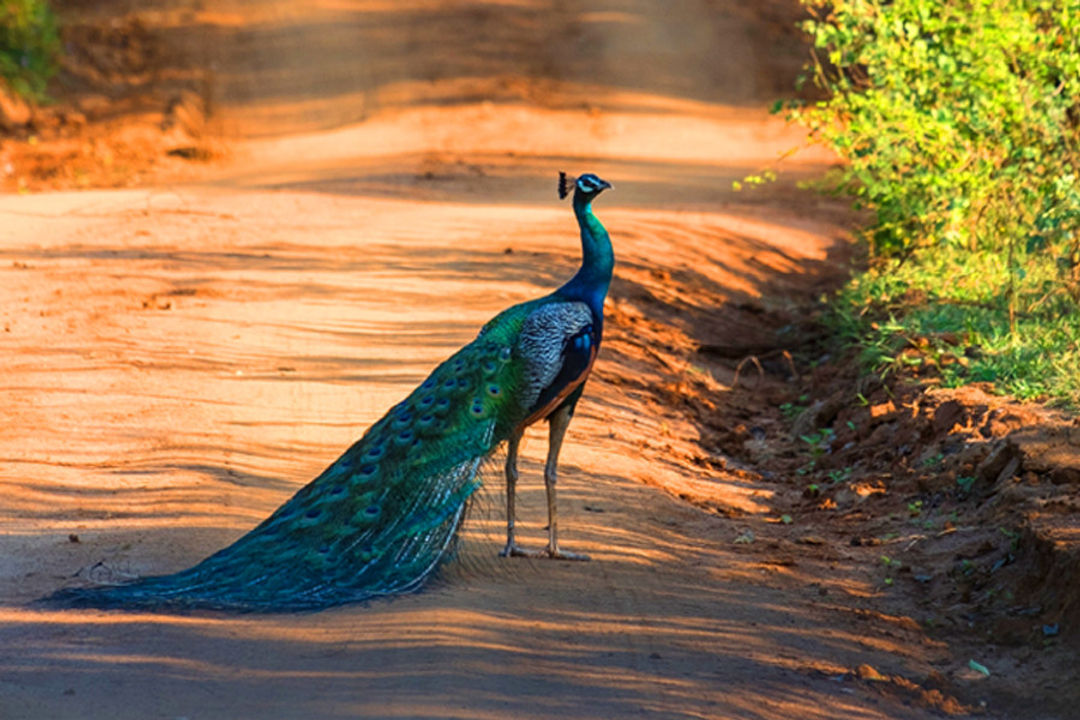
[[958, 118], [29, 46], [959, 121]]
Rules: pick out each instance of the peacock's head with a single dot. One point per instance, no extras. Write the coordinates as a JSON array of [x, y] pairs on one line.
[[587, 186]]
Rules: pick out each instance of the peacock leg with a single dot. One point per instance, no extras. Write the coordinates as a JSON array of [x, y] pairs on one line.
[[512, 549], [558, 422]]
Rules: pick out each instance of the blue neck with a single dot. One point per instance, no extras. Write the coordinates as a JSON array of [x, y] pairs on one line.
[[590, 284]]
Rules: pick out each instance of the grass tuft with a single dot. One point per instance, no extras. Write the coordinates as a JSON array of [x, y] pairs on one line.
[[946, 315]]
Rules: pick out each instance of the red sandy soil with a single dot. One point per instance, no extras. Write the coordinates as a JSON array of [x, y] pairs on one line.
[[325, 199]]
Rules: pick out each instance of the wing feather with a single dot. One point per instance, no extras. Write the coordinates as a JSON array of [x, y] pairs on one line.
[[545, 348]]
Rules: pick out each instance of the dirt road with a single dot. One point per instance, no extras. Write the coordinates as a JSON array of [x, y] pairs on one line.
[[179, 359]]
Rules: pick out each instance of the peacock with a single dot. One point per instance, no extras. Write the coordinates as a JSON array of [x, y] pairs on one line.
[[381, 518]]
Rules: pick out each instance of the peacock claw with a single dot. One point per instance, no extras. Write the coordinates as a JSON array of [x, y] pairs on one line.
[[513, 550]]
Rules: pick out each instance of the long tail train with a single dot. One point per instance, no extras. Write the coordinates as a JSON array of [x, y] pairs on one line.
[[376, 522]]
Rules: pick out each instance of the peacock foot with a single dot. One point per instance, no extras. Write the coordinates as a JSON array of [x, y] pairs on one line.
[[557, 554], [514, 550]]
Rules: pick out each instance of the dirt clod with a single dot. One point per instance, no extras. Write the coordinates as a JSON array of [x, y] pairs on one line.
[[15, 113], [867, 672]]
